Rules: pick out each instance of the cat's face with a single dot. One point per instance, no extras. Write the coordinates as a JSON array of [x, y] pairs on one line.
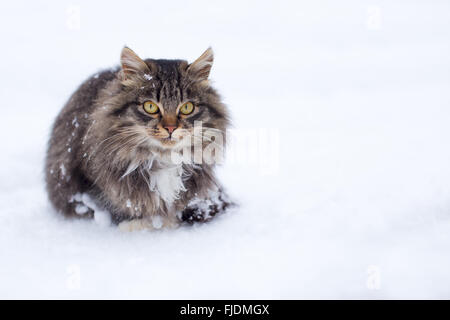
[[160, 101]]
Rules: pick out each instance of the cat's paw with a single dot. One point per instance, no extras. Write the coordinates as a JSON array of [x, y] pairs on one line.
[[80, 210], [203, 210], [80, 206]]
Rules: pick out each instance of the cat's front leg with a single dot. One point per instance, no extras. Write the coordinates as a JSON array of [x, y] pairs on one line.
[[204, 209]]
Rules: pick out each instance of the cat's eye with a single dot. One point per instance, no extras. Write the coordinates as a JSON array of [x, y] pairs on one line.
[[187, 108], [151, 107]]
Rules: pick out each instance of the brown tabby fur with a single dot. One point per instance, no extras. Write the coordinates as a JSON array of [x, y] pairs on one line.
[[103, 142]]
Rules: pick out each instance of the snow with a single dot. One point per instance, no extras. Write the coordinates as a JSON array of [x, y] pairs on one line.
[[63, 169], [81, 209], [75, 122], [352, 202]]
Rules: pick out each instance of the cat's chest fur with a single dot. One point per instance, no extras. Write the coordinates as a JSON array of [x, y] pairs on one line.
[[167, 183], [162, 179]]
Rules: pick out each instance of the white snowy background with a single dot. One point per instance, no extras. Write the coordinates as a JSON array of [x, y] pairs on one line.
[[357, 94]]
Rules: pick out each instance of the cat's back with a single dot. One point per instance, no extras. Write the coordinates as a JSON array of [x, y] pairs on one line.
[[81, 102], [73, 120], [64, 151], [84, 97]]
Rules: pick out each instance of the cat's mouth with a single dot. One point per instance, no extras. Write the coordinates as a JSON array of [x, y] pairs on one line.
[[176, 139]]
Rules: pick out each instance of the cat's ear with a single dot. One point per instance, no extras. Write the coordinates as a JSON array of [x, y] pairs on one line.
[[201, 67], [131, 64]]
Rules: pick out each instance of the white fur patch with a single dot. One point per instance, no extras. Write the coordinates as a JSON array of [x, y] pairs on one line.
[[163, 178], [168, 183]]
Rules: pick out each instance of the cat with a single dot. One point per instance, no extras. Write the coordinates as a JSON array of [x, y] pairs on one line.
[[112, 145]]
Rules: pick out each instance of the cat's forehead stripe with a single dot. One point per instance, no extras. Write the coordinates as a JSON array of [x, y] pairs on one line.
[[170, 94], [169, 75]]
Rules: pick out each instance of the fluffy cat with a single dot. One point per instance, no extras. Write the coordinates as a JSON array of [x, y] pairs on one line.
[[112, 144]]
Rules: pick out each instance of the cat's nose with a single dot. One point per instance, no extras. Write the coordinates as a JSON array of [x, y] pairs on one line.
[[170, 128]]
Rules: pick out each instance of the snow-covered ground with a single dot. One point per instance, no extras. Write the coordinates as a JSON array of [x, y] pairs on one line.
[[356, 204]]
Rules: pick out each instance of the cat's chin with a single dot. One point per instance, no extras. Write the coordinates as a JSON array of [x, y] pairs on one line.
[[167, 144]]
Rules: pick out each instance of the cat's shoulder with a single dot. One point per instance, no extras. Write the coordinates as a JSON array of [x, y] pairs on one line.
[[99, 80], [88, 90]]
